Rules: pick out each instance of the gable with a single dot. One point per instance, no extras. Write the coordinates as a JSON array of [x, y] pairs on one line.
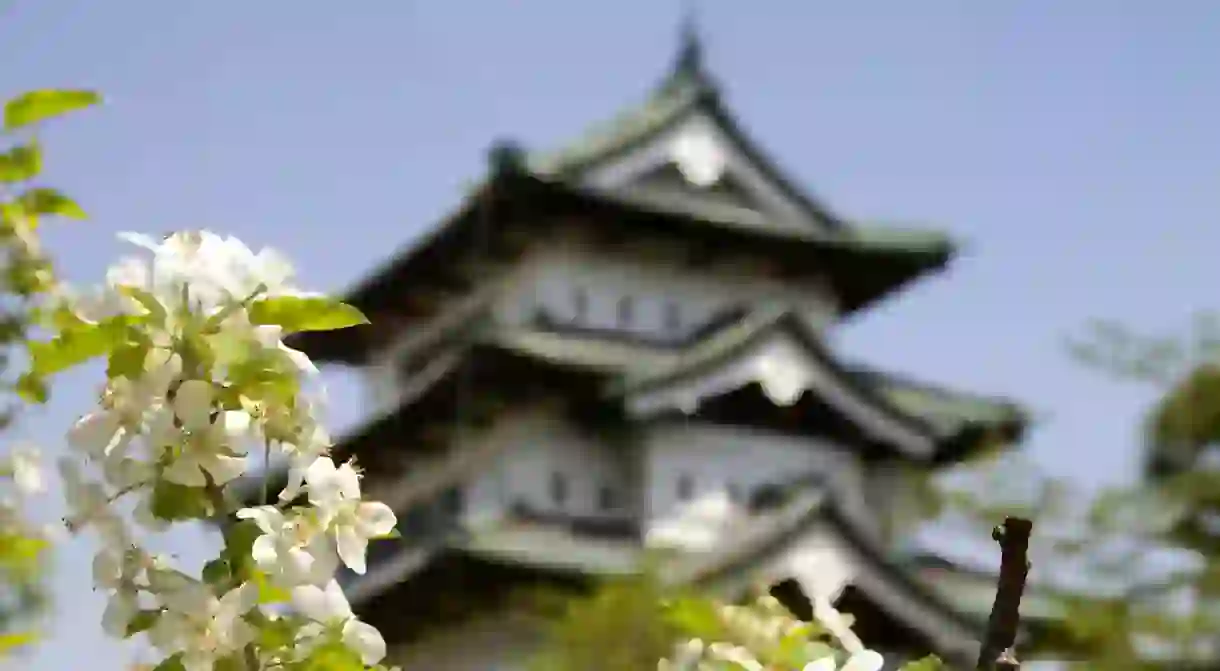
[[786, 366], [709, 160], [668, 180]]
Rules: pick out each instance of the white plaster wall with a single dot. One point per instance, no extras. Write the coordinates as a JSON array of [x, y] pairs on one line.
[[653, 282], [535, 447], [715, 456], [551, 274], [472, 459]]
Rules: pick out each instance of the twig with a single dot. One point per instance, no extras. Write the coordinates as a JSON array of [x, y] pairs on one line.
[[997, 650]]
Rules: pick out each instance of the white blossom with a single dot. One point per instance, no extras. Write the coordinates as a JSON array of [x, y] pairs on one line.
[[27, 471], [125, 404], [89, 506], [289, 549], [173, 429], [202, 627], [213, 443], [335, 493], [867, 660], [329, 609], [117, 570]]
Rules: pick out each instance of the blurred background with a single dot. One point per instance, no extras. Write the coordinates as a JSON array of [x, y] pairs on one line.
[[1070, 148]]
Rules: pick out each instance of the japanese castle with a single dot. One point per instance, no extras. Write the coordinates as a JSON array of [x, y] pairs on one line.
[[617, 353]]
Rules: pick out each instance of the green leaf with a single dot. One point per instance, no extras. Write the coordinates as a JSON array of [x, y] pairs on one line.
[[32, 388], [239, 543], [697, 618], [50, 202], [9, 642], [929, 663], [127, 360], [295, 313], [233, 662], [173, 663], [217, 572], [77, 345], [21, 163], [37, 106], [267, 592], [143, 621], [178, 502], [276, 634], [147, 301], [333, 657], [240, 537]]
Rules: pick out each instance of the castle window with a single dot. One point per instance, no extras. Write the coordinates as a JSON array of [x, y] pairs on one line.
[[626, 311], [686, 487], [673, 317], [580, 305], [559, 488], [605, 497]]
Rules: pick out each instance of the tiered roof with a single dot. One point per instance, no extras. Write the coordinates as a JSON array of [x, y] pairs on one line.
[[527, 194], [488, 371], [477, 369], [480, 369]]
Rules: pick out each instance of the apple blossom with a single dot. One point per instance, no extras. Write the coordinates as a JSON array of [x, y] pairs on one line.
[[197, 373], [290, 549], [330, 611], [335, 492], [26, 471]]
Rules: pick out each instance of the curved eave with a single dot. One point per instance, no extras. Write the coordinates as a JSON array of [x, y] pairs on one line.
[[499, 576], [890, 585], [912, 434], [860, 269]]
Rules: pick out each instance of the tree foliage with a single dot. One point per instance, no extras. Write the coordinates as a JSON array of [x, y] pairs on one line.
[[1136, 567], [26, 272]]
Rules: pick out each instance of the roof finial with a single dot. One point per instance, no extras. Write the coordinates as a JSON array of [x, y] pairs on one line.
[[690, 55]]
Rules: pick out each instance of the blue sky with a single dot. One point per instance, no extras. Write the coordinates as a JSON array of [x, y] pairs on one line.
[[1071, 146]]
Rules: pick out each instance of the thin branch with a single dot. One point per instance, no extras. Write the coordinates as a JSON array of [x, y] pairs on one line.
[[997, 650]]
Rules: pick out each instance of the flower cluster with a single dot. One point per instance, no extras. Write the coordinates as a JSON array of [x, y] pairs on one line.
[[766, 636], [198, 377], [22, 545]]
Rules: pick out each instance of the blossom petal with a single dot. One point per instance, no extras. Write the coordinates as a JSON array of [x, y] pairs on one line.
[[347, 481], [264, 551], [269, 519], [824, 664], [107, 570], [352, 547], [94, 433], [865, 660], [337, 601], [310, 601], [299, 359], [365, 640], [120, 610], [223, 469], [193, 404], [237, 602], [375, 519]]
